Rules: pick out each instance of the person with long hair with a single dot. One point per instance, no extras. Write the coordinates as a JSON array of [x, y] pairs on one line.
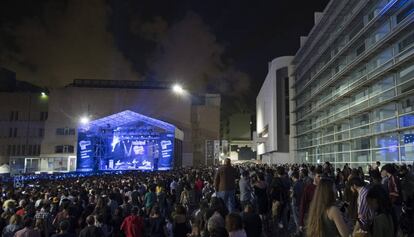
[[324, 217], [384, 221]]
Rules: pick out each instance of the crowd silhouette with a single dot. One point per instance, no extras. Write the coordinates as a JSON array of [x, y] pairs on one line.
[[249, 200]]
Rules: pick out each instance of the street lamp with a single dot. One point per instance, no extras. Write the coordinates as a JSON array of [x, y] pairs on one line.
[[84, 120], [178, 89]]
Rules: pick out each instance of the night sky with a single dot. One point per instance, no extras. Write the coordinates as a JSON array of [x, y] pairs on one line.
[[208, 46]]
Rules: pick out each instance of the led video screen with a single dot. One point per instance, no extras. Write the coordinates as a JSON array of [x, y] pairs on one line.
[[125, 152]]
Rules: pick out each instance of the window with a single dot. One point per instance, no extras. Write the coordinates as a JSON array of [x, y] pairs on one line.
[[405, 78], [360, 49], [407, 104], [361, 156], [65, 131], [380, 59], [43, 116], [360, 131], [384, 112], [382, 90], [9, 150], [387, 154], [13, 150], [35, 150], [41, 132], [384, 126], [342, 157], [30, 150], [405, 43], [360, 120], [18, 150], [361, 143], [389, 140], [382, 85], [12, 132], [342, 136], [407, 153], [14, 115], [407, 120], [379, 6], [356, 28], [58, 149], [379, 33], [64, 149], [407, 145], [406, 74], [342, 147], [340, 65], [404, 13]]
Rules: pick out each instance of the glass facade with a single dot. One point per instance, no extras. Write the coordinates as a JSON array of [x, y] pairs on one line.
[[354, 87]]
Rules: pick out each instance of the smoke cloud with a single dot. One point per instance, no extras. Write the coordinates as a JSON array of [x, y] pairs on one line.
[[68, 41], [189, 53], [152, 30]]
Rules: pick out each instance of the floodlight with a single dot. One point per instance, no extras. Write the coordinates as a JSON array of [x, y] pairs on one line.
[[84, 120], [178, 89]]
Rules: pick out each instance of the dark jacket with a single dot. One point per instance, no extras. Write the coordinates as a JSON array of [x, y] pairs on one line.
[[225, 179], [91, 231], [252, 224]]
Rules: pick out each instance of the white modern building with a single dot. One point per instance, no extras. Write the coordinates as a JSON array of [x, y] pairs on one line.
[[353, 89], [272, 114]]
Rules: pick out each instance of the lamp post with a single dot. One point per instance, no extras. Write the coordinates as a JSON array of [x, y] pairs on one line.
[[84, 120], [178, 89]]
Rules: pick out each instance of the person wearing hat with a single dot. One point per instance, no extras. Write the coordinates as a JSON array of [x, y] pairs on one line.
[[9, 204]]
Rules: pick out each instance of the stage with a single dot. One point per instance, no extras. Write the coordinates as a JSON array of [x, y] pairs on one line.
[[127, 141]]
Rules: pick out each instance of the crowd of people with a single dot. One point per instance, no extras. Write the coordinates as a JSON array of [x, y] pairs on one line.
[[235, 201]]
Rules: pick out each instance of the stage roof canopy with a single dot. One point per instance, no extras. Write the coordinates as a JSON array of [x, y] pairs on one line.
[[127, 117]]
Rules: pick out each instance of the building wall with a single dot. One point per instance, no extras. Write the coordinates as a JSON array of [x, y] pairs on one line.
[[282, 109], [353, 82], [22, 116], [206, 126], [271, 109]]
